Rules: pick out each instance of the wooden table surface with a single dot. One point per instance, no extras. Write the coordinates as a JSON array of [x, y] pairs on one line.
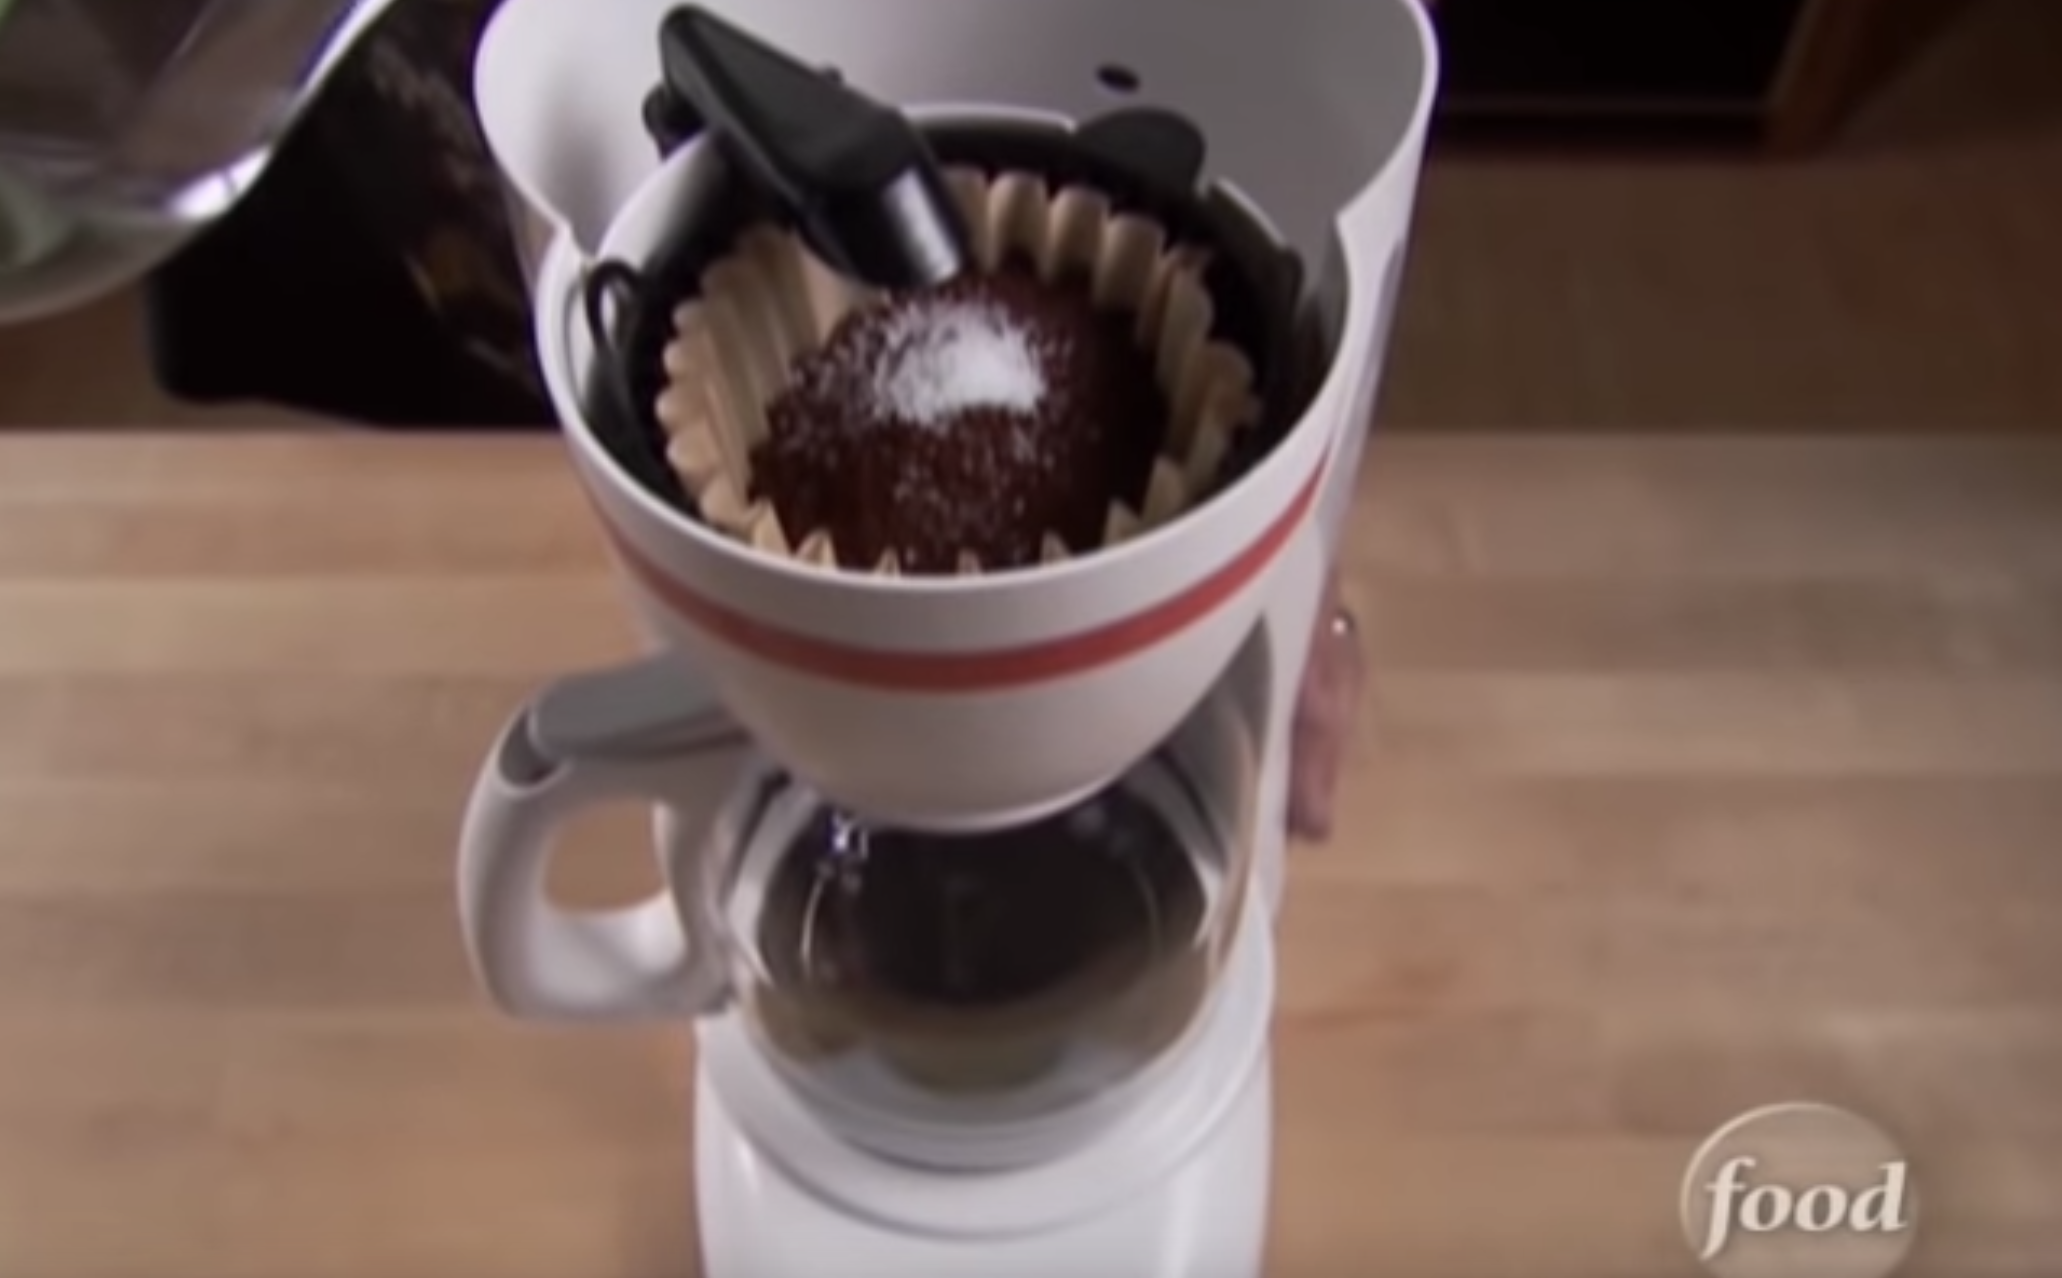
[[1703, 775]]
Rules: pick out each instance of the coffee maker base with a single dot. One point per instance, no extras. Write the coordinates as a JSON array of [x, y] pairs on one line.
[[1205, 1219]]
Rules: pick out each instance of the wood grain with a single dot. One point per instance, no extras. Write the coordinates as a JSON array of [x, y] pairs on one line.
[[1698, 776]]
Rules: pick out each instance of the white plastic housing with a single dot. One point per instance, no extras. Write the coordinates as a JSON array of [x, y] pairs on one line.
[[1053, 680]]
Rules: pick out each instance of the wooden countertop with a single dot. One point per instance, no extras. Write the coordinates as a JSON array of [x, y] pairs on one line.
[[1704, 775]]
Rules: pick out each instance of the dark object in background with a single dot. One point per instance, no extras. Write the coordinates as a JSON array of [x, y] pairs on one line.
[[372, 274], [1512, 55], [1781, 73]]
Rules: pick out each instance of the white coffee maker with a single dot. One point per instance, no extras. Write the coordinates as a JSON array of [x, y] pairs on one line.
[[971, 880]]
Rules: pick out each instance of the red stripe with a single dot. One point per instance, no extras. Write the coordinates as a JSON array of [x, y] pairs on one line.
[[970, 671]]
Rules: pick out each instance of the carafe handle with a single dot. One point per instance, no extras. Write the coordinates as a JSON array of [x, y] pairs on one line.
[[647, 731]]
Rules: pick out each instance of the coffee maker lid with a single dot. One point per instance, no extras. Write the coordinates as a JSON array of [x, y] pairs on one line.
[[1311, 107]]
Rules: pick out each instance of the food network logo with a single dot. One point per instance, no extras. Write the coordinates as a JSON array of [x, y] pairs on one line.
[[1799, 1191]]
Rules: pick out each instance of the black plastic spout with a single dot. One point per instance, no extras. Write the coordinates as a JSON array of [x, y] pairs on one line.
[[864, 190]]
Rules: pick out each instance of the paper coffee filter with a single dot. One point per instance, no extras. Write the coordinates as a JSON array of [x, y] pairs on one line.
[[771, 302]]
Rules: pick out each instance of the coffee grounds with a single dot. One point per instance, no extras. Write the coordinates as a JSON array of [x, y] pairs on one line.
[[978, 416]]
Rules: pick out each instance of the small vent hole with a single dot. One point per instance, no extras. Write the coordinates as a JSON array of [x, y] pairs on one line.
[[1117, 78]]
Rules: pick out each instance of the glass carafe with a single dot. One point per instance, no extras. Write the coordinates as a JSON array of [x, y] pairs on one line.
[[126, 107], [977, 975], [1023, 970]]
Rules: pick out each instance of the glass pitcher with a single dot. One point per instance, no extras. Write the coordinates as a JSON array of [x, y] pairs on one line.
[[991, 976], [149, 109]]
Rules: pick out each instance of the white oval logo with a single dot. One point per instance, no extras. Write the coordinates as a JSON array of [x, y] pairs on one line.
[[1801, 1190]]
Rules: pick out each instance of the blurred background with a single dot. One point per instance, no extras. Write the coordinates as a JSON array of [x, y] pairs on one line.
[[1708, 214]]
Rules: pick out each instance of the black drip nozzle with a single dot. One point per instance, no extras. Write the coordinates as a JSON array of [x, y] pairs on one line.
[[863, 188]]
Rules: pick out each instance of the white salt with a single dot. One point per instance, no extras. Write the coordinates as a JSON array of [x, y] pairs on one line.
[[946, 358]]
